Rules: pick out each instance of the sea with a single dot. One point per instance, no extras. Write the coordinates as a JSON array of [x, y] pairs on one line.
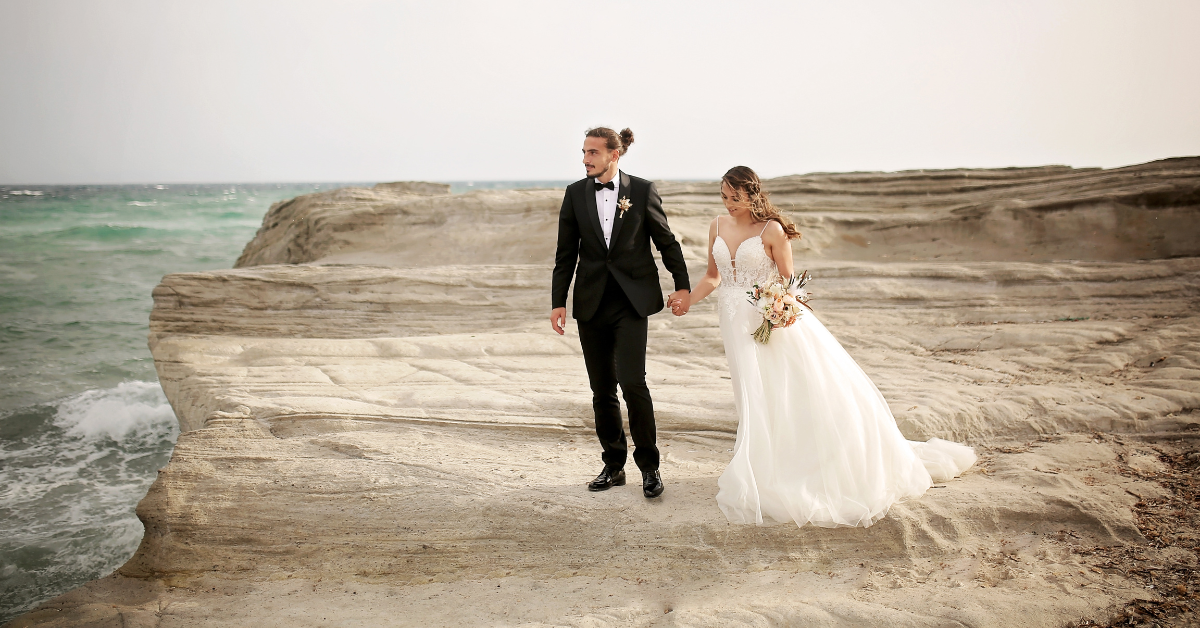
[[84, 425]]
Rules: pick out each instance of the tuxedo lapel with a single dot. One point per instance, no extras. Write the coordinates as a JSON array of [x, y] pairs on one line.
[[622, 192], [589, 201]]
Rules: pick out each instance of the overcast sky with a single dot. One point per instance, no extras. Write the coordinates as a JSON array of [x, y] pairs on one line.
[[115, 91]]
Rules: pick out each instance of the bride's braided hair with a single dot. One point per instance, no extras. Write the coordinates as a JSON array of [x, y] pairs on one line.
[[741, 178]]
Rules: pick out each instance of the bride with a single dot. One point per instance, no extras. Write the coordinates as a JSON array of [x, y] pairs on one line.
[[816, 442]]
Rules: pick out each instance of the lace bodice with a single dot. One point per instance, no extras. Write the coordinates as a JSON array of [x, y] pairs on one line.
[[747, 266], [740, 270]]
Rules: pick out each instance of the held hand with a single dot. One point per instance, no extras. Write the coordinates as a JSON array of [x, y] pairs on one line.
[[558, 319], [680, 301]]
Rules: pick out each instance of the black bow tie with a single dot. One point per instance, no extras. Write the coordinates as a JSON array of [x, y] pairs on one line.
[[609, 185]]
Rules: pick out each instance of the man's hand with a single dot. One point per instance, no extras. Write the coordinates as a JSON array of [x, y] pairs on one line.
[[680, 301], [558, 319]]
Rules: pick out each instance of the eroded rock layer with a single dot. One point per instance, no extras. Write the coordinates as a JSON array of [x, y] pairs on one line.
[[1139, 212]]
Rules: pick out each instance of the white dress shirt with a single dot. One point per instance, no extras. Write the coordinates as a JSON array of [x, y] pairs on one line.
[[606, 206]]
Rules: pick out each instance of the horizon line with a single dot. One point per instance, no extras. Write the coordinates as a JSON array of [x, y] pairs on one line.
[[557, 180]]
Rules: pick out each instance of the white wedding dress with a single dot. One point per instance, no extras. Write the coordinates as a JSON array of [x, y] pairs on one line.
[[816, 442]]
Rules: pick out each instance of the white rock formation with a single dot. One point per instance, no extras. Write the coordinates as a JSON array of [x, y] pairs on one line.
[[379, 427]]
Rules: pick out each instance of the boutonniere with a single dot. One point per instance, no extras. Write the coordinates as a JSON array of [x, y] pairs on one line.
[[624, 204]]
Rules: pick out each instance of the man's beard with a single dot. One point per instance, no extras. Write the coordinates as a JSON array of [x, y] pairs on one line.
[[598, 170]]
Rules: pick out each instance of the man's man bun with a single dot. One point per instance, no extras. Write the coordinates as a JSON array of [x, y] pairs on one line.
[[626, 139], [612, 141]]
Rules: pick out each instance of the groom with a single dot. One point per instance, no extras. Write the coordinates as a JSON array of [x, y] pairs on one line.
[[605, 227]]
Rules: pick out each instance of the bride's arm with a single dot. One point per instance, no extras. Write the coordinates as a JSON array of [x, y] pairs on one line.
[[779, 249], [712, 278]]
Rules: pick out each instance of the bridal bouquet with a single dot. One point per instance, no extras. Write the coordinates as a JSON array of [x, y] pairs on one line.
[[780, 302]]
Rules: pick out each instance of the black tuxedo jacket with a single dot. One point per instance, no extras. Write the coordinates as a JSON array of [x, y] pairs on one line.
[[581, 249]]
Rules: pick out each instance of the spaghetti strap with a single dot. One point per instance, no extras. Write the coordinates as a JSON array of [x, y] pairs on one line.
[[764, 228]]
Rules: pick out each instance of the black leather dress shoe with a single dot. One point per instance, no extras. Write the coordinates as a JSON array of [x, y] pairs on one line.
[[652, 485], [607, 479]]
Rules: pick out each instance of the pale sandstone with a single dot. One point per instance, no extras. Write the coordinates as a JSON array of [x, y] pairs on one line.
[[379, 427]]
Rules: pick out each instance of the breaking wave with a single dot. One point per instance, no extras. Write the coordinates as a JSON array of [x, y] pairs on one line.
[[72, 470]]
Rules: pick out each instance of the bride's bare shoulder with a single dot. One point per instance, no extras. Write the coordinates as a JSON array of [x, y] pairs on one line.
[[774, 231]]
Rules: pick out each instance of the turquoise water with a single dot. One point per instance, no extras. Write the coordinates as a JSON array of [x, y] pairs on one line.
[[83, 423]]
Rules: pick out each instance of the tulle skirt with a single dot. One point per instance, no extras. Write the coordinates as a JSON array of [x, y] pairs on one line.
[[816, 442]]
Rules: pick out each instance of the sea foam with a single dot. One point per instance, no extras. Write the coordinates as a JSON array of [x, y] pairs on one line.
[[131, 409], [68, 486]]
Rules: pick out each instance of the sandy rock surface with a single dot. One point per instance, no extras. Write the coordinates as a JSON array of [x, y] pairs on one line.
[[379, 427]]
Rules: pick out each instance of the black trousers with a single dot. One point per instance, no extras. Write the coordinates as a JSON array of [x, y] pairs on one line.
[[614, 351]]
